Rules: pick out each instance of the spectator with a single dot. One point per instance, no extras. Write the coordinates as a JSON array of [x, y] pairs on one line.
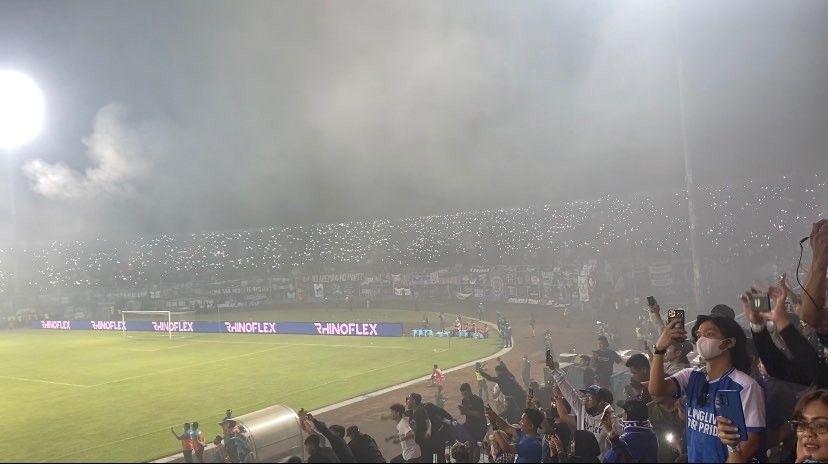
[[363, 446], [590, 410], [462, 452], [405, 436], [186, 439], [316, 452], [603, 359], [640, 372], [675, 359], [514, 393], [337, 442], [498, 454], [585, 447], [423, 432], [667, 420], [721, 342], [523, 441], [472, 407], [532, 323], [638, 442], [780, 400], [482, 386], [526, 371], [806, 366], [813, 310], [810, 421], [589, 374]]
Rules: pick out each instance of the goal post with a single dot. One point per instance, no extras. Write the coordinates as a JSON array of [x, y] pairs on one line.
[[153, 316]]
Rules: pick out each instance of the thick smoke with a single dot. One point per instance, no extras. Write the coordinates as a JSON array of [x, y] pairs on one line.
[[118, 154]]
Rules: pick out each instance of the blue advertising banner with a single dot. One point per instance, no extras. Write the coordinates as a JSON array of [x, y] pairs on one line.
[[360, 329]]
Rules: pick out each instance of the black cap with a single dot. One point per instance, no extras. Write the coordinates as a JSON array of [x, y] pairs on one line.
[[728, 326], [636, 410], [723, 310]]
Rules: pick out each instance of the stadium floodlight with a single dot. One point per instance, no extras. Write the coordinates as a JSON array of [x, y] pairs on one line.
[[21, 109]]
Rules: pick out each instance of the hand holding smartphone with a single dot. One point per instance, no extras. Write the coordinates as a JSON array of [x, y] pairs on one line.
[[760, 303], [729, 405], [676, 314]]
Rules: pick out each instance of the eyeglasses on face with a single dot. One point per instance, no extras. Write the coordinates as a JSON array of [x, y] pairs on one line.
[[818, 426]]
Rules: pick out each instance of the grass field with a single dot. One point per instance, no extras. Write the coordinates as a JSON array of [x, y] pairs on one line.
[[95, 396]]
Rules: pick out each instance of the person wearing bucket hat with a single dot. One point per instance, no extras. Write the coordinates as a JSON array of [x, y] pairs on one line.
[[723, 345]]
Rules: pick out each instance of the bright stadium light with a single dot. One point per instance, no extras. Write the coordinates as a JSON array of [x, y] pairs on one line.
[[21, 109]]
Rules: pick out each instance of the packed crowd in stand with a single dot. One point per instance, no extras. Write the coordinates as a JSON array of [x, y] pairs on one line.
[[759, 394], [755, 218]]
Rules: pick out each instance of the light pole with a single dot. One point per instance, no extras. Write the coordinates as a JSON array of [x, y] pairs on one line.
[[690, 185], [21, 118]]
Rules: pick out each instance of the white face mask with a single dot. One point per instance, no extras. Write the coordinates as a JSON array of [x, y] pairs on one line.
[[708, 348]]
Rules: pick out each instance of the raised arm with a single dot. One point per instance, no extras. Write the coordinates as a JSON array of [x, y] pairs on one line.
[[813, 302], [659, 386], [570, 394], [499, 422]]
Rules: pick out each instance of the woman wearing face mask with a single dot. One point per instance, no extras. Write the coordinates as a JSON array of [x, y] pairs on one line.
[[722, 344]]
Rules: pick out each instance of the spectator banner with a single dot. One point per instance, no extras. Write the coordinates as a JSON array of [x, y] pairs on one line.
[[661, 275], [362, 329]]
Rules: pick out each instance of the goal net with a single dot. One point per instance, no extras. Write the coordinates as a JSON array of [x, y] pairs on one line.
[[153, 324]]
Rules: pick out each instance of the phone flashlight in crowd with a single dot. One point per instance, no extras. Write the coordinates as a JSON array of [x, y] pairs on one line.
[[669, 438]]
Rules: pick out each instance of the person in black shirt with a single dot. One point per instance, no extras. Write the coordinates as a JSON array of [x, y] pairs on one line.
[[363, 446], [603, 359], [589, 374], [639, 367], [316, 453], [472, 407]]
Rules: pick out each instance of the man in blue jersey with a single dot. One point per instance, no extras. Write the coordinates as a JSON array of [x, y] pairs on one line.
[[722, 344]]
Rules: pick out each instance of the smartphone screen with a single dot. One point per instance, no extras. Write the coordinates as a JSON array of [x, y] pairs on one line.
[[548, 355], [651, 301], [531, 392], [760, 303]]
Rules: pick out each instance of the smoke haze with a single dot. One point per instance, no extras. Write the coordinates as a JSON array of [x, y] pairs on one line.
[[259, 113]]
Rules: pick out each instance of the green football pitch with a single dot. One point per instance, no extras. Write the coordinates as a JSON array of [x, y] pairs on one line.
[[84, 396]]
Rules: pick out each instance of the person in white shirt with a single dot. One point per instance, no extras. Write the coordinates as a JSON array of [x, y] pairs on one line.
[[405, 436], [590, 409]]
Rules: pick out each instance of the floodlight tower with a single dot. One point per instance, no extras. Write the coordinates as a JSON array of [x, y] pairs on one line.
[[21, 119]]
